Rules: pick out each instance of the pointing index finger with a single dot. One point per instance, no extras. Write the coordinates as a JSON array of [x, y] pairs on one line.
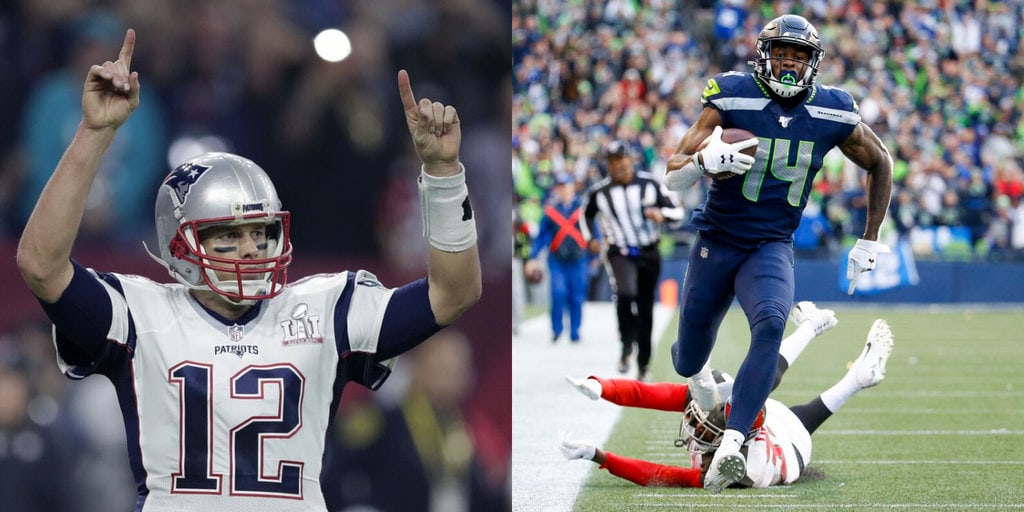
[[405, 90], [127, 49]]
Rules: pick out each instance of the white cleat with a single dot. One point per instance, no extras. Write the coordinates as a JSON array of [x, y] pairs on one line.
[[590, 388], [869, 367], [574, 449], [821, 319], [727, 467]]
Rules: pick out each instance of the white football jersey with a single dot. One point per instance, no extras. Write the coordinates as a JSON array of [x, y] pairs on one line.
[[225, 418], [781, 449]]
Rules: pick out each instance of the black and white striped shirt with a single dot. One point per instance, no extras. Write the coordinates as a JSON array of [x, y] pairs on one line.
[[623, 224]]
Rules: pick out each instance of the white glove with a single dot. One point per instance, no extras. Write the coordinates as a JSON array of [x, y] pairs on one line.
[[719, 156], [574, 449], [590, 388], [862, 259]]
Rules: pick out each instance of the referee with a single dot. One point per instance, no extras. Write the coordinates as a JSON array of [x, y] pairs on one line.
[[632, 207]]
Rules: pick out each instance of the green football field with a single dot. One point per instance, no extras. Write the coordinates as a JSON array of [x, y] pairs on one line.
[[944, 431]]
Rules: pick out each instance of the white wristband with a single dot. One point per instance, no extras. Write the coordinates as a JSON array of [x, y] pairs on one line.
[[448, 220]]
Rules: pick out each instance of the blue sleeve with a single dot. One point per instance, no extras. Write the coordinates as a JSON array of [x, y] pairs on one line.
[[543, 237], [408, 320], [81, 318]]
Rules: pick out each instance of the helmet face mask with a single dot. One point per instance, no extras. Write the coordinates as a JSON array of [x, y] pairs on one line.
[[221, 189], [794, 31], [701, 430]]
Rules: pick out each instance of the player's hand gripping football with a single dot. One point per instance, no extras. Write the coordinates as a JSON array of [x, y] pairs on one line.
[[111, 91], [434, 128], [862, 259], [722, 157]]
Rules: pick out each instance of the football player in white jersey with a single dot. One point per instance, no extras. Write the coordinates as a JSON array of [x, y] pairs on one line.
[[228, 379], [778, 449]]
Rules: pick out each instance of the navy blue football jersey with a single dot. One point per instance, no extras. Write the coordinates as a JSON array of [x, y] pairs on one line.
[[766, 203]]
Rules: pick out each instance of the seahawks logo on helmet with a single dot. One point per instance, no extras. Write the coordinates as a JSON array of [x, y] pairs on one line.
[[183, 177]]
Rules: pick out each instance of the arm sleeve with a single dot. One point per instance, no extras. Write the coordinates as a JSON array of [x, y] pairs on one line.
[[660, 396], [408, 320], [374, 324], [589, 212], [543, 237], [81, 318], [649, 474]]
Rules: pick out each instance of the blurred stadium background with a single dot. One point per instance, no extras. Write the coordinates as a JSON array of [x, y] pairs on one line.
[[938, 80], [243, 76]]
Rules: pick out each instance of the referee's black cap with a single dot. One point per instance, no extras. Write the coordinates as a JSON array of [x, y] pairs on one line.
[[616, 148]]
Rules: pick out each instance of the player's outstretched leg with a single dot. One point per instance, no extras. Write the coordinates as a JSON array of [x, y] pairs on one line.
[[869, 367], [728, 465]]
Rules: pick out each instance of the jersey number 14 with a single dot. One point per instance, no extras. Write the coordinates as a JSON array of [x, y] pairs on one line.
[[773, 156]]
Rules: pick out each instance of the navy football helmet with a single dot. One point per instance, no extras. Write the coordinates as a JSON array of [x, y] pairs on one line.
[[794, 30]]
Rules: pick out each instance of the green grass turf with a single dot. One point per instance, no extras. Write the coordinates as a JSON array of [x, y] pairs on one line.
[[944, 431]]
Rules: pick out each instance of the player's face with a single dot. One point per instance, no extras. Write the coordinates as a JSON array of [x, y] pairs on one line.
[[620, 169], [239, 242], [789, 58]]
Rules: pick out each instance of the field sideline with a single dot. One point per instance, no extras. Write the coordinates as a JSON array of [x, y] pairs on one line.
[[944, 431]]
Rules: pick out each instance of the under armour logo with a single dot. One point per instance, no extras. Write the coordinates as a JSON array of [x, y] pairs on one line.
[[181, 179], [784, 121]]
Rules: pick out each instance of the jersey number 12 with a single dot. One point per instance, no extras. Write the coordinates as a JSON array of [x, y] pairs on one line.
[[195, 473]]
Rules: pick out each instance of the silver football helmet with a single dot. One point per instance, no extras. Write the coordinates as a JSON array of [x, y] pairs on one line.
[[217, 189], [789, 29]]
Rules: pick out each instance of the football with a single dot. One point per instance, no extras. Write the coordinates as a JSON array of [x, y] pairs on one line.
[[730, 135]]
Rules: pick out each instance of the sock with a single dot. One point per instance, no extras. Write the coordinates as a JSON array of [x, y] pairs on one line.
[[837, 395], [795, 343], [733, 436]]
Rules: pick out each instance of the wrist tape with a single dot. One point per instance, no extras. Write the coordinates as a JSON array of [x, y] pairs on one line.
[[448, 220]]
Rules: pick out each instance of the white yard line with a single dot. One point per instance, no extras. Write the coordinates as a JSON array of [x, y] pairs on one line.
[[688, 502], [543, 404]]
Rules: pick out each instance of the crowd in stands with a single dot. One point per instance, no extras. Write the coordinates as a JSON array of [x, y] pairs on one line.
[[938, 80]]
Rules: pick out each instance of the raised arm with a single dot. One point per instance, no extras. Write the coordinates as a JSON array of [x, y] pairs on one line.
[[110, 95], [454, 266]]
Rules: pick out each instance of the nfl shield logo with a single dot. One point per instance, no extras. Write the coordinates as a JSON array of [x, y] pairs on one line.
[[236, 332], [703, 252]]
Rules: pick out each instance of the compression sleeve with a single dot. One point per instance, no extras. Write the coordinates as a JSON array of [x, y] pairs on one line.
[[660, 396], [649, 474]]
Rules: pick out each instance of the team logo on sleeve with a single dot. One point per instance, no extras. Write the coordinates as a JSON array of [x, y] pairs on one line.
[[711, 89], [183, 177], [302, 328]]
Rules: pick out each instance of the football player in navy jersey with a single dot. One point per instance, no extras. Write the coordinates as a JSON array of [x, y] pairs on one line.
[[229, 378], [745, 226]]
